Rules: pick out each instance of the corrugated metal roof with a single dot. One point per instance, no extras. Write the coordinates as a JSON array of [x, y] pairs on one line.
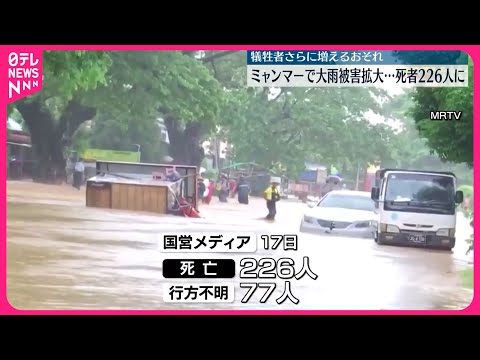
[[13, 125]]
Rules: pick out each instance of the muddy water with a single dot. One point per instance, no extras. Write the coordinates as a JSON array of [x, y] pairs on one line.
[[62, 255]]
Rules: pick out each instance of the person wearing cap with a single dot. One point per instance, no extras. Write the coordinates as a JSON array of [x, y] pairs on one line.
[[272, 195]]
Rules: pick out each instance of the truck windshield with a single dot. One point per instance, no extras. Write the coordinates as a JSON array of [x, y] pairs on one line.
[[421, 193]]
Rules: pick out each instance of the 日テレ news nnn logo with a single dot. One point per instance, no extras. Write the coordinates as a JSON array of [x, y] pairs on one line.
[[24, 74]]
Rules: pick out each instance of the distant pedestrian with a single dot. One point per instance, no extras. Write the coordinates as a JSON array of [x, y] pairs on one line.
[[243, 190], [78, 174], [208, 197], [201, 189], [232, 185], [223, 188]]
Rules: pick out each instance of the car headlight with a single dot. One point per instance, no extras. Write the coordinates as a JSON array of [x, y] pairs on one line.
[[389, 228], [392, 229], [446, 232], [362, 224], [308, 219]]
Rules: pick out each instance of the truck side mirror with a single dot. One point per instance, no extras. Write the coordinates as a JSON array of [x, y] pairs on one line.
[[459, 197], [375, 193]]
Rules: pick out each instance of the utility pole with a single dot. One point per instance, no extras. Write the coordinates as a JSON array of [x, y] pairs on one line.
[[217, 155], [138, 151], [358, 176]]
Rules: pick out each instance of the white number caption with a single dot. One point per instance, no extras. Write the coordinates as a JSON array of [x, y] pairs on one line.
[[253, 286], [267, 268]]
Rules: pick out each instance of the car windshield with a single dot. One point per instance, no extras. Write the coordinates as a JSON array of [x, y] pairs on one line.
[[420, 190], [344, 201]]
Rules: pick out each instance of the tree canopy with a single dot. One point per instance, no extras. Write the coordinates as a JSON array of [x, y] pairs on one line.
[[452, 141]]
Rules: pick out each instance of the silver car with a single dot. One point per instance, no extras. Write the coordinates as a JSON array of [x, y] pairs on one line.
[[341, 212]]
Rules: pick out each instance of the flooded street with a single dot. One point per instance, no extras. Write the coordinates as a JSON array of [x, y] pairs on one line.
[[62, 255]]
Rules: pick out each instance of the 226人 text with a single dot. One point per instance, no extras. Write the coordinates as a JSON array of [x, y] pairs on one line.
[[267, 268]]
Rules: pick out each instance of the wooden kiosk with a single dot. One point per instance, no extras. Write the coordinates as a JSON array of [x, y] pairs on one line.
[[139, 186]]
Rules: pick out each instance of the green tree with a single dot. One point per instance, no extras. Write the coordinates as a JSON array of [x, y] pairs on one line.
[[53, 115], [170, 84], [299, 125], [109, 133], [408, 149], [451, 141], [281, 129], [124, 85]]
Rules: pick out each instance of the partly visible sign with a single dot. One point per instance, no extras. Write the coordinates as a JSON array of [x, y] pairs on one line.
[[111, 155], [308, 176]]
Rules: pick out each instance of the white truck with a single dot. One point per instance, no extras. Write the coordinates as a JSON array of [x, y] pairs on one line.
[[416, 208]]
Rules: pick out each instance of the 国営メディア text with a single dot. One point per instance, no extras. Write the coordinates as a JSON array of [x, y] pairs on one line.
[[209, 242]]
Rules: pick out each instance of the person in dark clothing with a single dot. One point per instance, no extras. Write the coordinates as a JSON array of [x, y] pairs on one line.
[[332, 183], [201, 189], [272, 195], [243, 190]]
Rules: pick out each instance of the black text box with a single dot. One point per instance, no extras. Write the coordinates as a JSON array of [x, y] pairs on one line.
[[198, 268]]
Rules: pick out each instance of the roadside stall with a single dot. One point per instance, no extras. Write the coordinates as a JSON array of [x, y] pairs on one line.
[[124, 185]]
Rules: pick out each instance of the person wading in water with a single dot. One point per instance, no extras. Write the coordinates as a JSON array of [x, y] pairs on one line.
[[272, 195], [79, 170], [243, 190], [223, 188]]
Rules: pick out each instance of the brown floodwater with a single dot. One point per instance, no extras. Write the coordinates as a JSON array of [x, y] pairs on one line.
[[62, 255]]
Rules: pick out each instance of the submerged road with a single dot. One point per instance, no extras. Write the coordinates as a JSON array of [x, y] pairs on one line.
[[62, 255]]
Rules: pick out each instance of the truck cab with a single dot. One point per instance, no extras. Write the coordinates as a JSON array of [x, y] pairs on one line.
[[416, 208]]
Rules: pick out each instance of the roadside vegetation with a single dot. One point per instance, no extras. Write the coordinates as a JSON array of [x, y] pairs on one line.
[[467, 277]]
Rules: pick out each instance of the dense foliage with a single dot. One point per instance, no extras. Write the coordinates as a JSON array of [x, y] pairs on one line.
[[451, 141]]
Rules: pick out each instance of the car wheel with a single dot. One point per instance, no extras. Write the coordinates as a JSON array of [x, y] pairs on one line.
[[377, 239]]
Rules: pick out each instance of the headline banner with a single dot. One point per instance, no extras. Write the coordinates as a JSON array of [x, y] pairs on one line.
[[356, 57], [281, 75]]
